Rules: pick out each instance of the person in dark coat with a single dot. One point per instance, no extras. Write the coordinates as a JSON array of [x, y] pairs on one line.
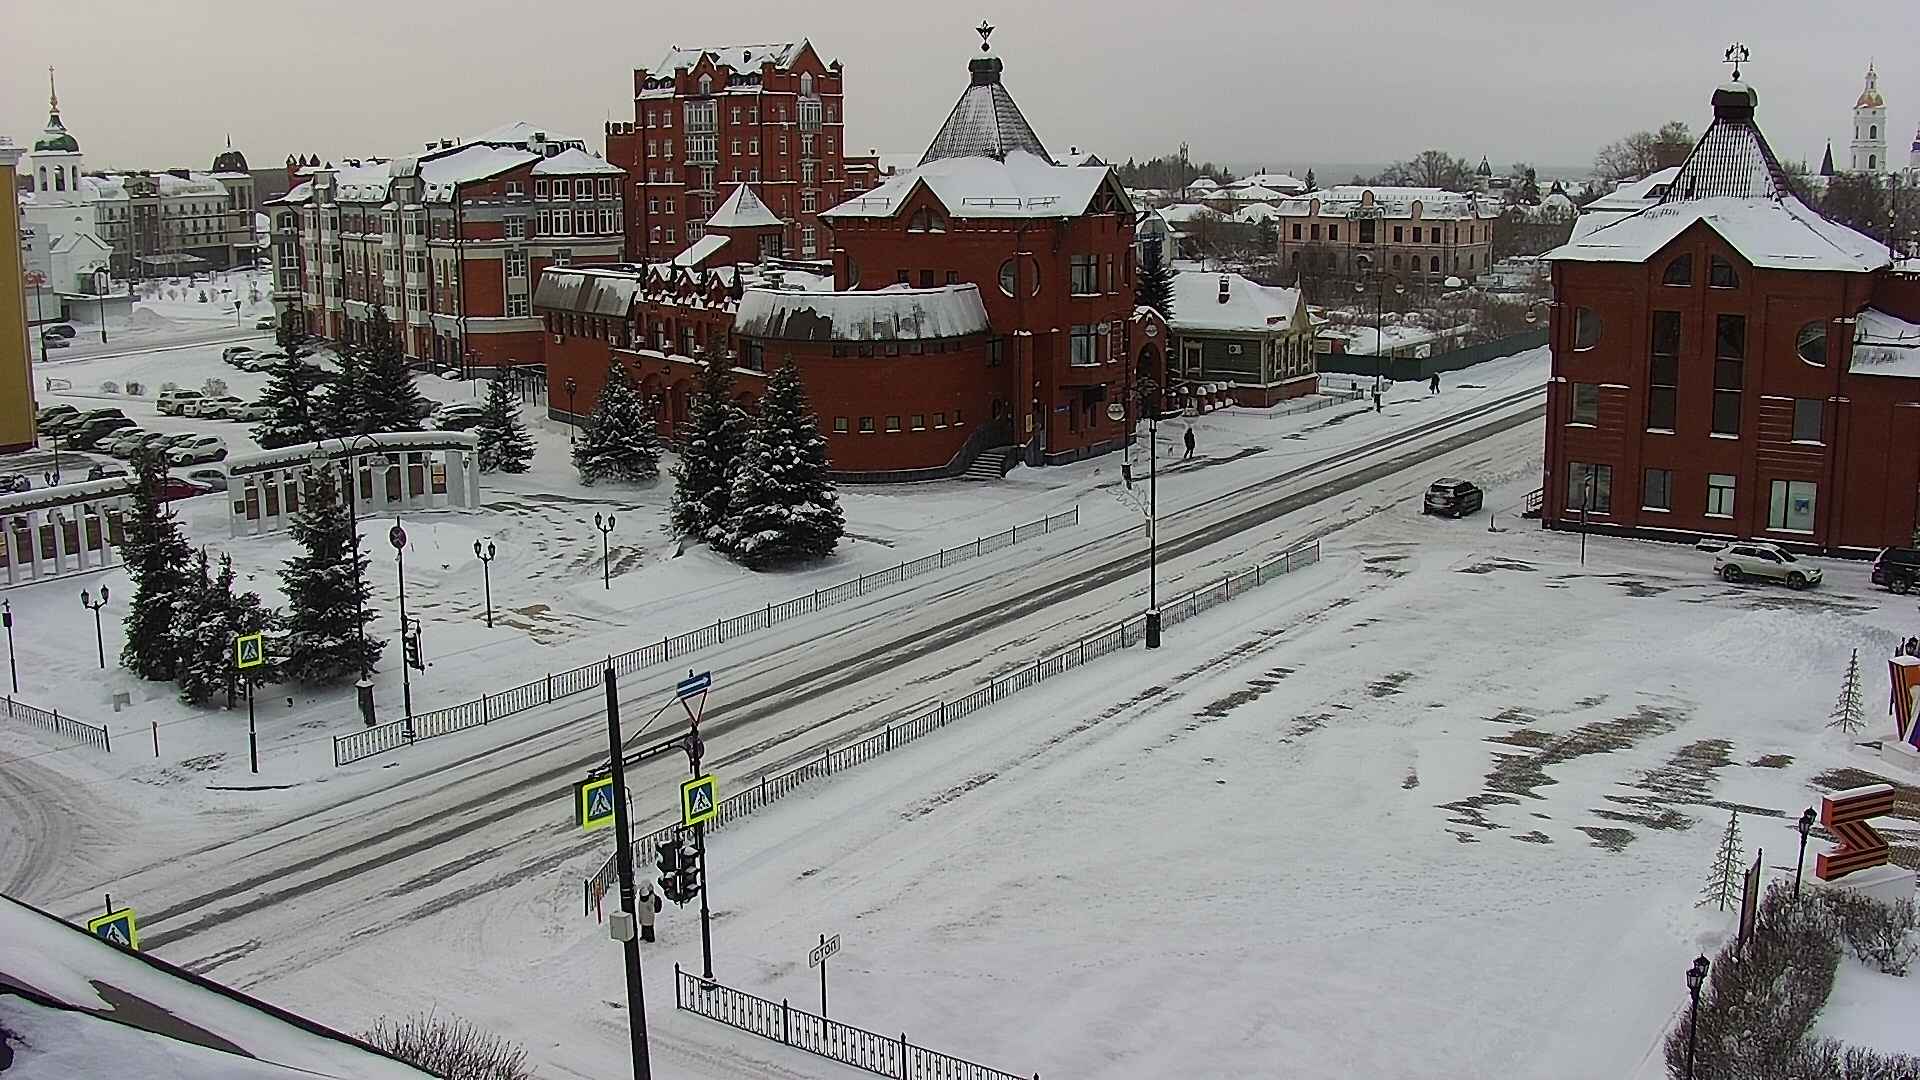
[[1376, 399], [1433, 384], [1189, 442]]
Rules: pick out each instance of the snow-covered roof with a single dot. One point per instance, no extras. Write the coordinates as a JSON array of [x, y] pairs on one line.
[[442, 175], [1436, 204], [1203, 183], [80, 1007], [701, 250], [1279, 181], [1365, 341], [892, 314], [304, 453], [1254, 214], [1885, 344], [1774, 234], [743, 210], [574, 161], [1022, 186], [1184, 212], [985, 122], [580, 290], [519, 133], [738, 57], [1631, 196], [113, 188], [1255, 192], [1249, 307], [362, 183]]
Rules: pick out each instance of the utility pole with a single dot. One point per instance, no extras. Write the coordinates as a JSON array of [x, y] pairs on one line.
[[695, 748], [636, 998]]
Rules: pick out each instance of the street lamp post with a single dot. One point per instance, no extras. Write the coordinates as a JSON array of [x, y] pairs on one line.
[[1696, 977], [1147, 393], [53, 478], [486, 574], [398, 537], [572, 388], [606, 529], [1805, 826], [1379, 312], [99, 639], [6, 618]]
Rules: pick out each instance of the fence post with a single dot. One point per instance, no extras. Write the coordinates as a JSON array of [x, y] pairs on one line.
[[763, 789], [1083, 652], [718, 635], [889, 739], [786, 1023], [676, 985], [828, 756], [943, 558], [976, 546], [549, 686], [816, 600], [903, 1056], [106, 737], [769, 621]]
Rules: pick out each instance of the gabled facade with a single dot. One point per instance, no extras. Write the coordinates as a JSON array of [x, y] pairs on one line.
[[1256, 339]]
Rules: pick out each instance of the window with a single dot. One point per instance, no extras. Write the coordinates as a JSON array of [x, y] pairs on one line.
[[544, 222], [1657, 491], [517, 305], [1729, 373], [1085, 275], [839, 425], [1434, 263], [1590, 487], [1586, 323], [1790, 505], [735, 115], [926, 279], [1399, 234], [893, 423], [1809, 416], [953, 277], [1314, 232], [1333, 232], [806, 146], [1719, 494], [996, 351], [1720, 273], [1678, 272], [516, 262], [807, 240], [539, 189], [1586, 403], [1008, 277], [809, 202], [939, 419], [562, 222], [1296, 230], [1663, 372], [733, 147], [1811, 343], [606, 187], [1081, 353], [516, 228], [1416, 234], [918, 422], [513, 187], [564, 256]]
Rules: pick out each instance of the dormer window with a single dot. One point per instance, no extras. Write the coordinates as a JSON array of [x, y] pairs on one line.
[[706, 84], [926, 221], [1679, 271], [806, 84]]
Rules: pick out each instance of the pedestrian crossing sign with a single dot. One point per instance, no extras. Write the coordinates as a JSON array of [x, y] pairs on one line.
[[249, 651], [118, 927], [699, 800], [594, 800]]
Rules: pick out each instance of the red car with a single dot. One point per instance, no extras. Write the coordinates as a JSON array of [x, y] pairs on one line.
[[174, 487]]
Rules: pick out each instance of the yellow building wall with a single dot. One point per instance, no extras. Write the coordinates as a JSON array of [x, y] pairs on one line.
[[16, 359]]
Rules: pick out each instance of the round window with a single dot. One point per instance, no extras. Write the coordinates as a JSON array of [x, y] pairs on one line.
[[1812, 343], [1586, 328], [1007, 277]]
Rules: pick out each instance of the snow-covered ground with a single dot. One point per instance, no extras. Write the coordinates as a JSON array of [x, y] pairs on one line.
[[168, 312]]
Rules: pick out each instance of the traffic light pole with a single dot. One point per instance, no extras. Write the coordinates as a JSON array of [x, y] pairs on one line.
[[636, 999], [694, 749]]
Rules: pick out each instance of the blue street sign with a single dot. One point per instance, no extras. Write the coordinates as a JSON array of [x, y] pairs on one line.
[[699, 800], [118, 927], [694, 684], [593, 802]]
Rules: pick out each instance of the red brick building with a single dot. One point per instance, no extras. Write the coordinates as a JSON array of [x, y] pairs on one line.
[[705, 120], [451, 242], [1728, 363]]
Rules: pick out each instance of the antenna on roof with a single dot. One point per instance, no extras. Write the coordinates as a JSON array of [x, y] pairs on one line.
[[985, 30], [1736, 55]]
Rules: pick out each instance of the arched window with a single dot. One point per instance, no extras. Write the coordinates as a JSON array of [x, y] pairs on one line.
[[706, 84], [1812, 343], [1008, 276], [1679, 271], [806, 84], [59, 179], [1872, 162], [43, 178], [1720, 273], [1434, 264], [1873, 131]]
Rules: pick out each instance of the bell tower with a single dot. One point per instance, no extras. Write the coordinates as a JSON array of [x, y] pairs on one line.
[[1870, 128]]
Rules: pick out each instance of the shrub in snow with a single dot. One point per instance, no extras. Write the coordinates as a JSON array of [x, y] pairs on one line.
[[296, 390], [156, 557], [505, 445], [169, 385], [621, 442], [782, 507], [203, 296], [1876, 933], [326, 591], [450, 1047], [135, 389], [109, 387], [214, 387], [716, 434]]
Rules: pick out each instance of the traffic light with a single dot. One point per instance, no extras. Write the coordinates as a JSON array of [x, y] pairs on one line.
[[410, 644], [668, 864], [687, 882]]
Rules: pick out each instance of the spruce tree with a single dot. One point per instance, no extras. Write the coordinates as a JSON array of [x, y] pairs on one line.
[[209, 617], [716, 435], [343, 411], [1312, 185], [505, 445], [157, 558], [1266, 237], [1849, 711], [326, 591], [783, 508], [296, 391], [1725, 880], [387, 394], [1155, 284], [621, 442]]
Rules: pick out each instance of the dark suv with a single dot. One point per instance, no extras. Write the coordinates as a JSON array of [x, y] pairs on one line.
[[1452, 497], [1897, 569]]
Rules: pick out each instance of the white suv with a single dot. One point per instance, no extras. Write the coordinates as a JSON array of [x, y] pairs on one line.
[[1738, 562], [175, 402]]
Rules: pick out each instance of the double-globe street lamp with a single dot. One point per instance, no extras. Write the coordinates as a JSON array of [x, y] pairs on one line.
[[606, 529], [485, 555], [99, 639], [572, 388], [1696, 978], [1804, 826], [1379, 281], [1146, 393]]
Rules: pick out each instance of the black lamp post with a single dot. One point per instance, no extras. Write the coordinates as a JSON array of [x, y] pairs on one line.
[[1696, 977], [1805, 826], [1379, 312], [606, 528], [99, 640], [572, 388], [1149, 391], [398, 537], [6, 617], [485, 555]]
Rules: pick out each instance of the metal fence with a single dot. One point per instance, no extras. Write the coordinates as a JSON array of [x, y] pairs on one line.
[[885, 1055], [60, 725], [487, 708], [755, 795]]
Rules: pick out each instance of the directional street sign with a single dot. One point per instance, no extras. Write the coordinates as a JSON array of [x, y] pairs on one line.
[[694, 684], [699, 800], [819, 953], [249, 651], [118, 927], [593, 800]]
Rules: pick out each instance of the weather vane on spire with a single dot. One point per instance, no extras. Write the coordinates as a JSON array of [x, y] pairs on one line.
[[985, 30], [1736, 55], [53, 96]]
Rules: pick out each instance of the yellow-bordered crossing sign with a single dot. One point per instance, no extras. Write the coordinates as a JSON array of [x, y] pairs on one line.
[[119, 927], [593, 801], [699, 800], [249, 651]]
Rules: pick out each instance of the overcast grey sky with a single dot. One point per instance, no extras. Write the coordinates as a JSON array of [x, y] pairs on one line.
[[150, 83]]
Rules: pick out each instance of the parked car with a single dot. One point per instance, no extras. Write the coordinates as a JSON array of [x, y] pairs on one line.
[[250, 411], [257, 362], [212, 408], [64, 424], [1737, 562], [81, 419], [264, 322], [237, 352], [175, 487], [173, 439], [174, 402], [1897, 569], [200, 449], [58, 330], [45, 416], [12, 482], [90, 435], [1452, 497], [458, 418], [105, 470], [123, 443], [215, 478], [54, 342]]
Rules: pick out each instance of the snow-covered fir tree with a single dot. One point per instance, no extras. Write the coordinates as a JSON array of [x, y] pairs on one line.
[[211, 614], [326, 591], [388, 396], [621, 443], [342, 410], [783, 509], [505, 445], [157, 558], [1725, 880], [1312, 184], [1155, 287], [716, 434], [296, 391], [1849, 710]]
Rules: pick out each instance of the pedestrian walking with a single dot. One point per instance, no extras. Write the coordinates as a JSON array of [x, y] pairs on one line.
[[649, 905], [1376, 399], [1433, 384], [1189, 443]]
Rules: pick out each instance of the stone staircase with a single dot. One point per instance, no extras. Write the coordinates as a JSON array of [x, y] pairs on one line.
[[991, 464]]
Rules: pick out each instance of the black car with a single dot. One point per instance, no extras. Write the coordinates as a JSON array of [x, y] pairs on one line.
[[89, 435], [1897, 569], [57, 330], [1452, 497]]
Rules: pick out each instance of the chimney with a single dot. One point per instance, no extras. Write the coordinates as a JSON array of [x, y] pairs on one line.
[[1224, 288]]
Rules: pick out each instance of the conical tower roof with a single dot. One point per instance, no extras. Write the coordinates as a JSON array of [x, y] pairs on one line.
[[55, 138], [1732, 159], [985, 122]]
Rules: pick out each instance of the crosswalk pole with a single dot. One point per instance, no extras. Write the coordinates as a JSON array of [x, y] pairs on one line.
[[623, 853]]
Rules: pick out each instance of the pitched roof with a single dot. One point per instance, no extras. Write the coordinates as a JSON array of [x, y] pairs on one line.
[[1249, 307], [1022, 186], [576, 162], [985, 122], [739, 57], [519, 133], [743, 210], [897, 313]]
